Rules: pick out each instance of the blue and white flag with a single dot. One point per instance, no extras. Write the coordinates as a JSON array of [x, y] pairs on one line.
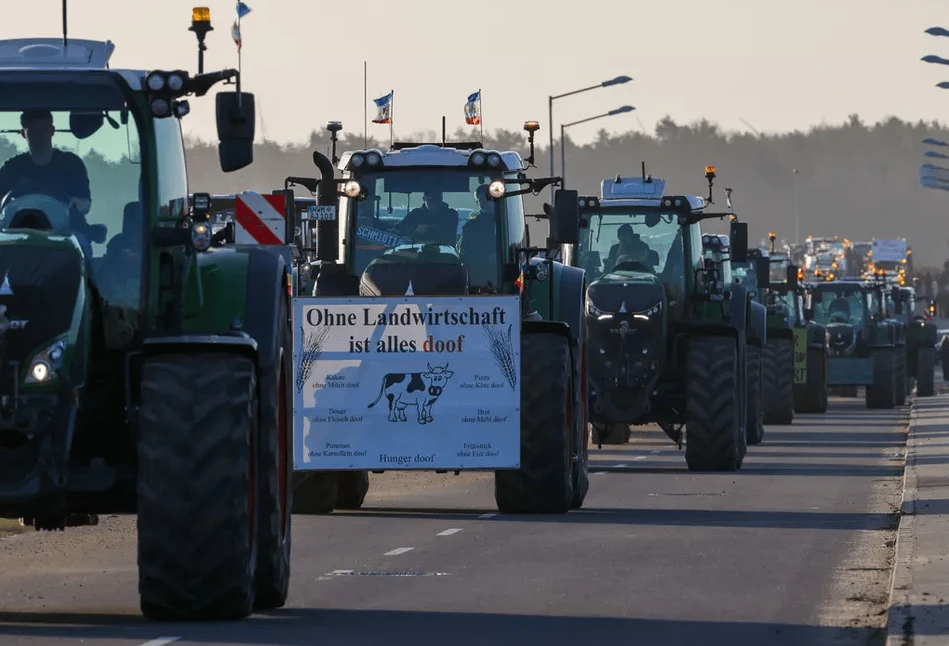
[[473, 109], [384, 108], [242, 10]]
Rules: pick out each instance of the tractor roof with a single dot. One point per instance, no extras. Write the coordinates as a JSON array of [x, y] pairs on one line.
[[636, 191], [48, 54], [432, 155]]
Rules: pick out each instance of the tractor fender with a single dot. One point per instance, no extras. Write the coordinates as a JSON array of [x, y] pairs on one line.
[[759, 324], [738, 310], [571, 299]]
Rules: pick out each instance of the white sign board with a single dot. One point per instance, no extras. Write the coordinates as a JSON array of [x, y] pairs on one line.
[[888, 250], [316, 212], [407, 382]]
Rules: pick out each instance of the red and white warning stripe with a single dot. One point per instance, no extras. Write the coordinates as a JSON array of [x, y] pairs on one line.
[[259, 219]]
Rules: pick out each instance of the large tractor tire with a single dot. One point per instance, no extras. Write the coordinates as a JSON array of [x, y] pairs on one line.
[[611, 434], [713, 428], [544, 482], [777, 370], [276, 469], [315, 492], [901, 377], [882, 393], [351, 489], [197, 487], [754, 425], [926, 372], [811, 396]]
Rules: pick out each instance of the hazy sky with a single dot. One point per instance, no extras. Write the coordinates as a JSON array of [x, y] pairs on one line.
[[774, 65]]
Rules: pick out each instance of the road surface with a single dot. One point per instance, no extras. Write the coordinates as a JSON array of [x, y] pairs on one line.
[[794, 549]]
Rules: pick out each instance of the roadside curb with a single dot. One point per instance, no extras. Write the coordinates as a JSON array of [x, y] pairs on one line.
[[899, 625]]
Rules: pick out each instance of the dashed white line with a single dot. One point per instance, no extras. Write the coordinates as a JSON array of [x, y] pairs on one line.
[[486, 516], [655, 451], [399, 550], [161, 641], [640, 457], [449, 532], [619, 466]]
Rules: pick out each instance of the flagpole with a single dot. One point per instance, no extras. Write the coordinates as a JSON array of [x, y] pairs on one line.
[[391, 119], [481, 120], [365, 105]]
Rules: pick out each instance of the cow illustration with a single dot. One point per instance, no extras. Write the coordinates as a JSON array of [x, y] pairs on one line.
[[419, 389]]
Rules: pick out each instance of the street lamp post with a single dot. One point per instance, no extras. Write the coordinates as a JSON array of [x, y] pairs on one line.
[[564, 126], [619, 80]]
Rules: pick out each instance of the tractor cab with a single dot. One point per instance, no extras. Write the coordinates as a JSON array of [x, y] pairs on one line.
[[433, 218]]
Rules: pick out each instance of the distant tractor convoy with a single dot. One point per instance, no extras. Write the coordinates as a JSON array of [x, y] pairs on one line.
[[272, 350]]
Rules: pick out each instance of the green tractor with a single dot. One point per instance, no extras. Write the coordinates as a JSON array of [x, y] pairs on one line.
[[749, 274], [666, 335], [777, 352], [148, 374], [428, 236], [921, 340], [861, 350], [810, 338], [883, 309]]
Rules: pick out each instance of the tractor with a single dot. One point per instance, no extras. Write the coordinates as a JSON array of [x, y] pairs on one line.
[[667, 336], [882, 308], [777, 352], [921, 340], [437, 226], [810, 339], [861, 351], [751, 273], [146, 374]]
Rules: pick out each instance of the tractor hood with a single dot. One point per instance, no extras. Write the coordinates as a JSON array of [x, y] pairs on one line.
[[626, 291], [41, 279], [842, 339], [415, 269]]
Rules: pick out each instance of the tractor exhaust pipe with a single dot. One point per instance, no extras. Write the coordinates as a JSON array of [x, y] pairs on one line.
[[328, 230]]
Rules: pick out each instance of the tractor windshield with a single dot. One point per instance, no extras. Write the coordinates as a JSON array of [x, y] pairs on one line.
[[840, 304], [70, 161], [649, 241], [448, 207], [744, 273]]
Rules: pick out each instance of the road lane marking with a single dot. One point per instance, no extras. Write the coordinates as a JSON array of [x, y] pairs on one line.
[[449, 532], [619, 466], [486, 516], [640, 457], [399, 550], [656, 451], [161, 641]]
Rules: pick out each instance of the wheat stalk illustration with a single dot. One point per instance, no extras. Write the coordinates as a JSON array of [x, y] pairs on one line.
[[503, 350], [312, 349]]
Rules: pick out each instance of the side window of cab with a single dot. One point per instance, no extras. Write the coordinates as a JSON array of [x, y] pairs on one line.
[[172, 170]]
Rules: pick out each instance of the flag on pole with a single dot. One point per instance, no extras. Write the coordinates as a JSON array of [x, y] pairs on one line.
[[473, 109], [242, 10], [236, 33], [384, 108]]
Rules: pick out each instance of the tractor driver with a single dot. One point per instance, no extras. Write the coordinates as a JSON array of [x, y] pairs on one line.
[[434, 221], [839, 310], [478, 244], [629, 244], [48, 171]]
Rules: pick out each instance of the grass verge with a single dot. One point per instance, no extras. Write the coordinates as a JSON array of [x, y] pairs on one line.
[[9, 527]]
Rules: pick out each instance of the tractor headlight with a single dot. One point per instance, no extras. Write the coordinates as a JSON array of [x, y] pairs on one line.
[[357, 160], [175, 82], [43, 367], [477, 158], [200, 236], [496, 189], [373, 159], [652, 311], [494, 160], [160, 108], [593, 310], [351, 188]]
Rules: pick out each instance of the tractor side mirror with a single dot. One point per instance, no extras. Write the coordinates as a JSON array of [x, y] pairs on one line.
[[564, 218], [235, 130], [763, 272], [792, 277], [738, 240]]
